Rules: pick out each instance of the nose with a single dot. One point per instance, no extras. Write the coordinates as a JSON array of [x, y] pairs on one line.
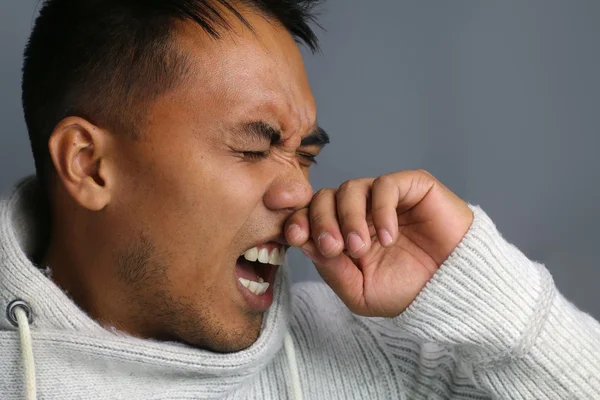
[[290, 192]]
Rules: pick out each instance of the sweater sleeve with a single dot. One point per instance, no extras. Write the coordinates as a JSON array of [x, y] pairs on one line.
[[511, 331]]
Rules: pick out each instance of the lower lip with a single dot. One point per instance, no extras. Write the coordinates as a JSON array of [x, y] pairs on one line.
[[259, 303]]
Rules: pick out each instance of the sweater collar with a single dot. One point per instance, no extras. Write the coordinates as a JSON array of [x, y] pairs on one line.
[[56, 317]]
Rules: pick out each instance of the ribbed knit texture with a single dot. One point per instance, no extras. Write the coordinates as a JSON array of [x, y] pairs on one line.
[[490, 324]]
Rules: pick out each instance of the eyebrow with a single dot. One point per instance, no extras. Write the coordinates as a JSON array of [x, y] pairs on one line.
[[317, 137], [263, 131]]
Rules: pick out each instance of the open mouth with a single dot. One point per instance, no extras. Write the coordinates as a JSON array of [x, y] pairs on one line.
[[256, 270]]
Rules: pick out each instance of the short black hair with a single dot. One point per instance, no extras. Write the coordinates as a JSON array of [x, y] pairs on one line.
[[105, 60]]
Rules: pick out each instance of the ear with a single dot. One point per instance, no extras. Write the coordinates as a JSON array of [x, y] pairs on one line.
[[79, 152]]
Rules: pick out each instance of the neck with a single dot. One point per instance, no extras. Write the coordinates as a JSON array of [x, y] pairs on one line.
[[89, 277]]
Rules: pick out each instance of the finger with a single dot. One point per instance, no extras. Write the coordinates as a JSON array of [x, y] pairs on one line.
[[385, 196], [297, 228], [324, 227], [413, 186], [340, 273], [352, 198]]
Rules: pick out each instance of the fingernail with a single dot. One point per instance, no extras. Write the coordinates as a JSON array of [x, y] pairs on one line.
[[386, 238], [327, 243], [355, 243], [294, 232]]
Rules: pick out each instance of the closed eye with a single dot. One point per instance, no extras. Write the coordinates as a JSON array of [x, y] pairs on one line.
[[261, 155], [311, 158], [255, 155]]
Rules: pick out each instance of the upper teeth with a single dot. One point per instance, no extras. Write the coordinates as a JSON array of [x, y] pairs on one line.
[[276, 257]]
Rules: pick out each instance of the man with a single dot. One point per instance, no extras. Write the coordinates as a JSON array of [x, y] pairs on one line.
[[173, 141]]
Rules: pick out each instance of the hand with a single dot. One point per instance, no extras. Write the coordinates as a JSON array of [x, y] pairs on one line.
[[377, 242]]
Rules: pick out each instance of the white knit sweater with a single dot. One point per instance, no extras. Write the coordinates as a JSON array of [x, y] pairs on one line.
[[490, 324]]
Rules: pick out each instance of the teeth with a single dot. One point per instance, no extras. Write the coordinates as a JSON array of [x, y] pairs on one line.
[[263, 256], [252, 254], [244, 282], [253, 286], [258, 288], [276, 257]]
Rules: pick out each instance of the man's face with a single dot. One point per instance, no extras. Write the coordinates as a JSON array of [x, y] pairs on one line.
[[189, 202]]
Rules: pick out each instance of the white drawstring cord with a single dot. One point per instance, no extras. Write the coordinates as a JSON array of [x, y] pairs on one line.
[[290, 353], [19, 313], [19, 316], [26, 353]]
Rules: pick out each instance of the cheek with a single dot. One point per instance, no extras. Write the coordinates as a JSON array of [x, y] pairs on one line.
[[202, 204], [196, 201]]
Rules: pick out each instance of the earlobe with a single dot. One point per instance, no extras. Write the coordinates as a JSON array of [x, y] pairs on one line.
[[78, 151]]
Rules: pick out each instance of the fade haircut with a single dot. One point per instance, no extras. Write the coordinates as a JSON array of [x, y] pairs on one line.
[[106, 60]]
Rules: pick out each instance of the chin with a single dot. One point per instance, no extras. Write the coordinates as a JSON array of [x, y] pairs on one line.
[[237, 339]]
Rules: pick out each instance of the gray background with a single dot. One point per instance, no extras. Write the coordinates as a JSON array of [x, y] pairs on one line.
[[499, 100]]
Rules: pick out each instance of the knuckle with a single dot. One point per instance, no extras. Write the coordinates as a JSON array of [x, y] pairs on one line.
[[379, 209], [424, 179], [424, 173], [318, 218], [384, 180], [321, 193], [346, 186], [347, 217]]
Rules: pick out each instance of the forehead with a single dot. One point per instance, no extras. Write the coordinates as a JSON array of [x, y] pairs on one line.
[[248, 74]]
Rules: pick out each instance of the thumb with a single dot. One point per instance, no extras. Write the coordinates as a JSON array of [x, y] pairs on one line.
[[340, 273]]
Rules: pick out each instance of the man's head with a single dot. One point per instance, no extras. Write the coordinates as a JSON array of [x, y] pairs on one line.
[[172, 136]]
